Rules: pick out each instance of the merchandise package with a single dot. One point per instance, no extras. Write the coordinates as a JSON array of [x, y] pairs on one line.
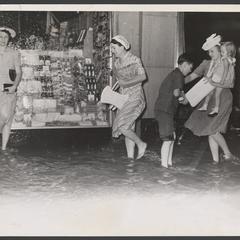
[[46, 117], [54, 83], [199, 91], [37, 124], [29, 57], [69, 118], [27, 72], [44, 105]]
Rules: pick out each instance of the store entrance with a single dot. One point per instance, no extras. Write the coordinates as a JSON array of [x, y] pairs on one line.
[[198, 26]]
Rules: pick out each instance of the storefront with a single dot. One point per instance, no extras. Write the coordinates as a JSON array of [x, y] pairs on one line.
[[64, 73]]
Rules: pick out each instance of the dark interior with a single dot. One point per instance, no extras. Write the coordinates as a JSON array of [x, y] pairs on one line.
[[199, 25]]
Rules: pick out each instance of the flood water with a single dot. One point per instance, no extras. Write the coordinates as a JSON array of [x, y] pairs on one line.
[[87, 165], [80, 166]]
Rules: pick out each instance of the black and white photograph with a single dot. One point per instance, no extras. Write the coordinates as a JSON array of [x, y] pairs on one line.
[[119, 120]]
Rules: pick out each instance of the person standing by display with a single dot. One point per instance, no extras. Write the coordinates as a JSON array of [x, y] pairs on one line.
[[130, 74], [10, 76]]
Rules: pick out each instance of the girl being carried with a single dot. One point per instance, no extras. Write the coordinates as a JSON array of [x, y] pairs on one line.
[[228, 52]]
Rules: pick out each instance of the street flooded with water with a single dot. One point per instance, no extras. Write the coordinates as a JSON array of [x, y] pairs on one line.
[[72, 170]]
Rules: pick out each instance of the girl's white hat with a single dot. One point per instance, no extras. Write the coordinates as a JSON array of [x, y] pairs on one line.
[[11, 31], [212, 41]]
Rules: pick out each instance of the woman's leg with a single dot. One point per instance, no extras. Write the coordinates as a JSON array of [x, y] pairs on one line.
[[6, 130], [218, 137], [165, 150], [130, 145], [214, 148], [140, 144], [8, 115], [5, 136]]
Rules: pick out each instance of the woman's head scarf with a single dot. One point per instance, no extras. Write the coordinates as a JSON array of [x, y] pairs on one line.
[[122, 40]]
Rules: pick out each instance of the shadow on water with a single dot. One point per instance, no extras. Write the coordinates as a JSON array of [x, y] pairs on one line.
[[89, 162]]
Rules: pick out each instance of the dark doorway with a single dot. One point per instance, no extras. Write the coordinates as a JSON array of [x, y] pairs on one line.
[[198, 26]]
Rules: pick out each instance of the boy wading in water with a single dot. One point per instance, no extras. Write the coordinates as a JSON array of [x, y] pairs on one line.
[[166, 106]]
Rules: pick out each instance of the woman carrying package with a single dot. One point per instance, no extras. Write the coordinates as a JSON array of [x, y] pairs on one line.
[[130, 74], [200, 123], [10, 76]]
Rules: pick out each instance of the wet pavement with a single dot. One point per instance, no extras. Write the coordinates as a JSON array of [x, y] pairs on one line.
[[89, 166]]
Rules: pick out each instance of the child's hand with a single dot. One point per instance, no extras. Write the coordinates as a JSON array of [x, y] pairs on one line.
[[176, 92], [182, 99]]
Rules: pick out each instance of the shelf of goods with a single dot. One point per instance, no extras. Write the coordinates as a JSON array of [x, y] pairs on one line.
[[59, 89]]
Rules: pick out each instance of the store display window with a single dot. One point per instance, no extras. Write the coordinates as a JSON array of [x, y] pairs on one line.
[[63, 77]]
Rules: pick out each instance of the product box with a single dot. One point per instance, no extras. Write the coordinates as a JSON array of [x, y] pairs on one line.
[[44, 105]]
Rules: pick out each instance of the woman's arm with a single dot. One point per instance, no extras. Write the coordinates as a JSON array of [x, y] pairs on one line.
[[18, 74], [198, 72], [191, 77]]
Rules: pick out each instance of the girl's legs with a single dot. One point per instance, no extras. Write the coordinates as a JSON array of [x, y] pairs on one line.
[[205, 103], [130, 145], [140, 144], [215, 109]]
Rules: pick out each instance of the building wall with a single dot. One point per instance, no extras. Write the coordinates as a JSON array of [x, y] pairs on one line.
[[128, 25], [153, 38]]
